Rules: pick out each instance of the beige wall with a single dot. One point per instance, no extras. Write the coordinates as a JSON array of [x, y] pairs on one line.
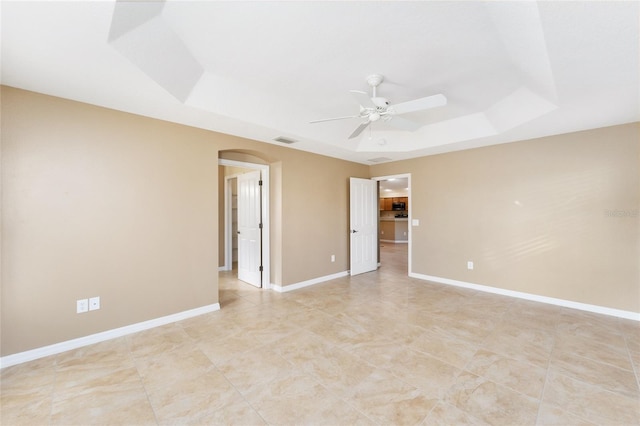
[[98, 202], [532, 215], [306, 195], [103, 203]]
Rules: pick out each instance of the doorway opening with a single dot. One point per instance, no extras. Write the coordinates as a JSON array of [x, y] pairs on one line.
[[246, 221], [394, 226]]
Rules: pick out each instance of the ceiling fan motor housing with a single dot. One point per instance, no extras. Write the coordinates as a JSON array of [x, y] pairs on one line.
[[380, 102]]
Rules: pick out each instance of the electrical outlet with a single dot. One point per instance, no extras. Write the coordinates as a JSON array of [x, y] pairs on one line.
[[469, 265], [94, 303], [333, 257], [82, 305]]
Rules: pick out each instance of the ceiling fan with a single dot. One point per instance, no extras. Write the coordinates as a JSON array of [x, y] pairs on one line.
[[375, 108]]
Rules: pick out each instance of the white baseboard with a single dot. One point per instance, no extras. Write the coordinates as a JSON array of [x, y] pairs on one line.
[[635, 316], [302, 284], [395, 241], [57, 348]]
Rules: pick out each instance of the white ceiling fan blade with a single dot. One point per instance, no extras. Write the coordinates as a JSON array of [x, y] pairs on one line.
[[404, 124], [419, 104], [363, 99], [359, 130], [335, 118]]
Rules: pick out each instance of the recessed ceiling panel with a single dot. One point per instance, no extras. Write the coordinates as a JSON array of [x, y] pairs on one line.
[[509, 70]]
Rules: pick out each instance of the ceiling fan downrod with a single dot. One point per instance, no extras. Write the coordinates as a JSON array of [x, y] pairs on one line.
[[374, 81]]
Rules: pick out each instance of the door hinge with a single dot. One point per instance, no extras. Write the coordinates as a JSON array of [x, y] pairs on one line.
[[260, 225], [260, 268], [260, 182]]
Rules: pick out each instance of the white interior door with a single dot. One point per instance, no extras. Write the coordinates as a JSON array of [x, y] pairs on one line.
[[364, 225], [249, 228]]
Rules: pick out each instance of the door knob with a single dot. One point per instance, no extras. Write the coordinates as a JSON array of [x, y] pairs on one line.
[[353, 231]]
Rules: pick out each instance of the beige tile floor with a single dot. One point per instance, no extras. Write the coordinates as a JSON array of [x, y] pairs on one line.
[[379, 348]]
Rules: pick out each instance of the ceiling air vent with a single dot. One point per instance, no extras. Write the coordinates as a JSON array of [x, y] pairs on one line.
[[379, 159], [282, 139]]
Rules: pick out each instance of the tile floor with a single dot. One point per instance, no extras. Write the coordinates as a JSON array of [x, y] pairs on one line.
[[379, 348]]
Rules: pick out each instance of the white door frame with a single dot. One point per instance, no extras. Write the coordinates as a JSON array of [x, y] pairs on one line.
[[228, 231], [410, 244], [228, 249]]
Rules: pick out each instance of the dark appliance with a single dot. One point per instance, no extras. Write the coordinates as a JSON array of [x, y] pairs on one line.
[[399, 206]]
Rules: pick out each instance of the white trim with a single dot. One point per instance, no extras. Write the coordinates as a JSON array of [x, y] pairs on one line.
[[57, 348], [242, 164], [222, 268], [302, 284], [634, 316], [228, 212], [266, 228], [266, 232], [409, 218], [395, 241]]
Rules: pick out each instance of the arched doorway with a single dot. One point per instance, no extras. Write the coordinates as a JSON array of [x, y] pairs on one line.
[[232, 169]]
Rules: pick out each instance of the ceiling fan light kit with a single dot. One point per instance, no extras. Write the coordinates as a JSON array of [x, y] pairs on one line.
[[374, 108]]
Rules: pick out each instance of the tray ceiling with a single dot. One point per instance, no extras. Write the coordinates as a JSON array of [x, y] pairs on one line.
[[263, 70]]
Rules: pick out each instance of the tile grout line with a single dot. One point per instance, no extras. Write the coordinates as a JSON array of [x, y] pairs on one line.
[[53, 388], [633, 366], [481, 346], [441, 399], [546, 376], [215, 366], [592, 386], [346, 401], [144, 388], [582, 382], [240, 393]]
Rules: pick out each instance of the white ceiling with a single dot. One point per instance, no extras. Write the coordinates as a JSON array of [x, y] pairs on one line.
[[396, 186], [262, 69]]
